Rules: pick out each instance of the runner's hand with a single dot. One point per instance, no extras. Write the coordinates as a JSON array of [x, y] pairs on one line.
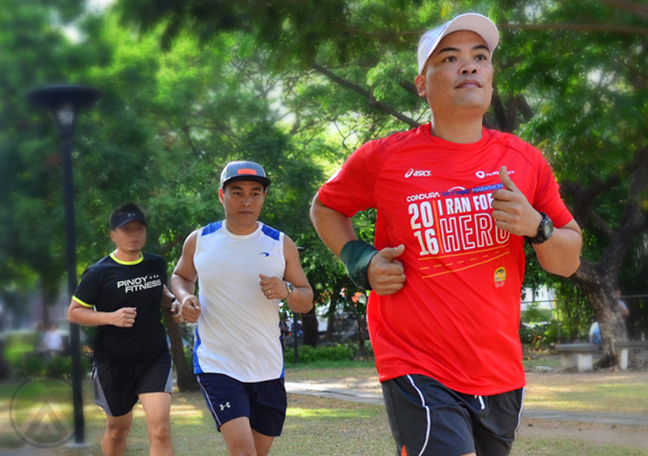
[[124, 317], [386, 274], [176, 311], [273, 287], [512, 211], [191, 309]]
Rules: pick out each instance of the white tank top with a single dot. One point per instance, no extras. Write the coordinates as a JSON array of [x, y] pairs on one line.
[[238, 328]]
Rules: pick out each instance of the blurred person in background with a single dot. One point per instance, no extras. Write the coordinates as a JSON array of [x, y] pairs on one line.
[[52, 341], [122, 294]]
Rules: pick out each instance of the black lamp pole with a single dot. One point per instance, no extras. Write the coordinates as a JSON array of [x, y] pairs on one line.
[[65, 101]]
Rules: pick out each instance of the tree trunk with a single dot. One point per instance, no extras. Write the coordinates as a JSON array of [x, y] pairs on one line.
[[362, 327], [601, 294], [186, 378], [44, 298], [330, 327], [310, 328]]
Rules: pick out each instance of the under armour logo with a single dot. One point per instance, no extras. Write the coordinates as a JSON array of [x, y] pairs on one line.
[[224, 406]]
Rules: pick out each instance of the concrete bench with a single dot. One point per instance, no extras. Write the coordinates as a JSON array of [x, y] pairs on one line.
[[577, 355], [625, 346]]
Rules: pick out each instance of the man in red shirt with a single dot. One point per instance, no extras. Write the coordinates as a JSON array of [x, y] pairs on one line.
[[455, 202]]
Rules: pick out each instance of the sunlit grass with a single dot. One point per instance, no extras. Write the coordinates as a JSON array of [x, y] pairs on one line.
[[327, 413], [570, 447], [322, 427], [600, 393]]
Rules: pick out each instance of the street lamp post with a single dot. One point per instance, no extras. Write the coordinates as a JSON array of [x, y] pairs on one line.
[[65, 101]]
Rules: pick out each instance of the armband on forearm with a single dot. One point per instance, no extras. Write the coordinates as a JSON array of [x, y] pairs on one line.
[[355, 256]]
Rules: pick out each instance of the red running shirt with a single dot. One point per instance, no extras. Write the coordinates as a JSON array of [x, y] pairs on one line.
[[457, 317]]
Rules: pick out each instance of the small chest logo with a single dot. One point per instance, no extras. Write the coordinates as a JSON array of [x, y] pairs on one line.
[[418, 173], [265, 254], [500, 277]]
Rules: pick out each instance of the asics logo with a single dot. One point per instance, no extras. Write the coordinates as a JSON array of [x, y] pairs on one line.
[[418, 173]]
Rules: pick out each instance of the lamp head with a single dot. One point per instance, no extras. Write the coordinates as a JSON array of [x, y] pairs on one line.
[[65, 101]]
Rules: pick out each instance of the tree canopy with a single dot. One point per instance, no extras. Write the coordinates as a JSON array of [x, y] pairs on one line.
[[298, 85]]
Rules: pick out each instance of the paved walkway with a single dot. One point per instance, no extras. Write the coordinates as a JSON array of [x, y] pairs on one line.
[[377, 399]]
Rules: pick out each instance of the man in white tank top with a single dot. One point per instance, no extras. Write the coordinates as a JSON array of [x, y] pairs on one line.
[[244, 269]]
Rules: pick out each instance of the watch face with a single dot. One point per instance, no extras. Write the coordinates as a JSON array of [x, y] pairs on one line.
[[548, 228]]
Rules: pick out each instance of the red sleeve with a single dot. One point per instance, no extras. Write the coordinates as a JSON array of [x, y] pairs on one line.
[[351, 189], [547, 197]]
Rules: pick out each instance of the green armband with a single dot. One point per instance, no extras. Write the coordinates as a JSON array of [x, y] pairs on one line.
[[356, 256]]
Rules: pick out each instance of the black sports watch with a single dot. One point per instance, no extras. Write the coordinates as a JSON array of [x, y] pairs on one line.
[[545, 230]]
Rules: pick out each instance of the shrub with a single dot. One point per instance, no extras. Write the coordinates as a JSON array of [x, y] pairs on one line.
[[369, 350], [30, 366], [308, 354], [59, 367], [535, 314], [20, 346], [533, 333], [551, 332]]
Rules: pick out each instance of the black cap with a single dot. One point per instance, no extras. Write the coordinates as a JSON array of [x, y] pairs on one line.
[[122, 218], [244, 170]]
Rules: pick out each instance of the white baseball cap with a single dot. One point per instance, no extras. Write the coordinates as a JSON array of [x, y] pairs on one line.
[[473, 22]]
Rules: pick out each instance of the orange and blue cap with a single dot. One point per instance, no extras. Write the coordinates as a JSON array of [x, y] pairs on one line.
[[244, 170]]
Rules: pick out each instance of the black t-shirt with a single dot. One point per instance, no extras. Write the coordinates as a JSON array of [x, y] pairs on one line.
[[111, 284]]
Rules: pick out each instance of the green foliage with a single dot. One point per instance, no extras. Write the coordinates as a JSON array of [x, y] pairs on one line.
[[28, 366], [18, 346], [246, 81], [308, 354], [535, 314], [59, 367], [188, 353]]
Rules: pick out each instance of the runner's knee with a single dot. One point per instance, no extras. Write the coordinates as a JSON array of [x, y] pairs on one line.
[[159, 430], [118, 433], [118, 428]]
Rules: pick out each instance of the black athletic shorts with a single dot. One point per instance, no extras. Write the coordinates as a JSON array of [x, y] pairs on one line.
[[264, 403], [117, 386], [427, 418]]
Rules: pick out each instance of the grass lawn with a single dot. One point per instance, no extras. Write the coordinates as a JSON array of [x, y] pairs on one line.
[[321, 427], [570, 447]]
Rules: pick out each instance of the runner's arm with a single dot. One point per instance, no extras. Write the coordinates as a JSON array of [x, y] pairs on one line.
[[334, 228], [183, 280], [560, 254], [385, 274], [86, 316], [167, 297], [301, 299]]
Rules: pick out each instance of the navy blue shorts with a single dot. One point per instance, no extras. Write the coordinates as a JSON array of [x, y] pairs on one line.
[[427, 418], [264, 403]]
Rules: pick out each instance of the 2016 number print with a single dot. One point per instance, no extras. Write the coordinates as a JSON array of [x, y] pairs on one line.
[[427, 236]]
